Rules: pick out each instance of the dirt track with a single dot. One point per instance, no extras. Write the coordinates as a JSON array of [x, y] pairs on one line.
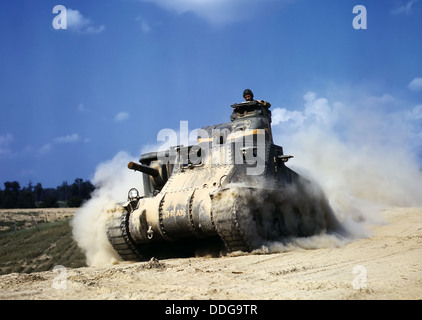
[[388, 265]]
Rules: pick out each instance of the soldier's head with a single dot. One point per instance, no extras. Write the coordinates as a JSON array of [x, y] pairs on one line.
[[248, 94]]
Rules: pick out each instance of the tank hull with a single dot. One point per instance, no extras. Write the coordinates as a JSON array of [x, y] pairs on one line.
[[230, 218], [232, 191]]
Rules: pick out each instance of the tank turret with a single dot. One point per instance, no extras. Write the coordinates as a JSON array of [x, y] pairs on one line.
[[232, 191]]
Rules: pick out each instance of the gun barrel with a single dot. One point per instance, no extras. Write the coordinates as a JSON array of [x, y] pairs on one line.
[[145, 169]]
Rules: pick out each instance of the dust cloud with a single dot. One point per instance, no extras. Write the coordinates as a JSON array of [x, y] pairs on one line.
[[112, 180], [362, 156]]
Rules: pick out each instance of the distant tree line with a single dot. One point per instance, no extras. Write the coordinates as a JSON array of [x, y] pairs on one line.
[[73, 195]]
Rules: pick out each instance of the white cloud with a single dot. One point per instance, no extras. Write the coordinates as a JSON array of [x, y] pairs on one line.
[[5, 140], [416, 112], [78, 23], [82, 108], [415, 84], [403, 8], [44, 149], [47, 147], [318, 108], [385, 99], [121, 116], [218, 11], [67, 139], [280, 115], [145, 26]]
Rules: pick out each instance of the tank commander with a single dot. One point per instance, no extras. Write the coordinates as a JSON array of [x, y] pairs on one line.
[[248, 96]]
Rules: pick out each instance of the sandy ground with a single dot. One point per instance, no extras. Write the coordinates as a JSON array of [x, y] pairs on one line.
[[387, 265]]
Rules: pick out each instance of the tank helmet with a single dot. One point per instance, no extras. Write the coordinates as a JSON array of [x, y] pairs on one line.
[[248, 92]]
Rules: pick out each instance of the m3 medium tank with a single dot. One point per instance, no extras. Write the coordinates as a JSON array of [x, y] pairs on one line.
[[231, 191]]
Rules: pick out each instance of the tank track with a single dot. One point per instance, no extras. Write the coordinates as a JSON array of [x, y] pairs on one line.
[[119, 237], [228, 227]]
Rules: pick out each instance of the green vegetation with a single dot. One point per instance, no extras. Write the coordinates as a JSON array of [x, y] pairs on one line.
[[38, 248]]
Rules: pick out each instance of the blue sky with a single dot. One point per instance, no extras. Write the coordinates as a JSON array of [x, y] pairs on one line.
[[125, 69]]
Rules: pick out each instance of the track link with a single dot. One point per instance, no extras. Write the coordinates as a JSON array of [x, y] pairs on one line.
[[228, 227], [119, 237]]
